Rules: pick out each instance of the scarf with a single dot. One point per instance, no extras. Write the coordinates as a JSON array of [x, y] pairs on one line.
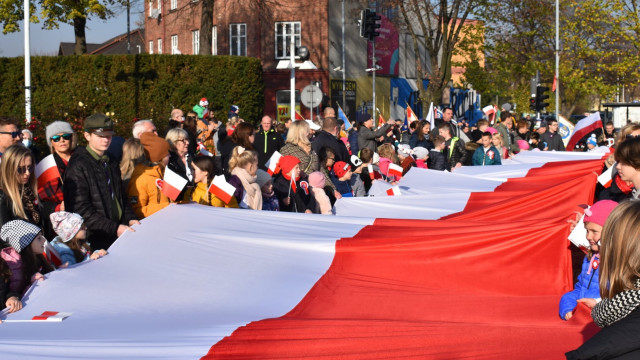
[[609, 311], [253, 194], [29, 203], [622, 185]]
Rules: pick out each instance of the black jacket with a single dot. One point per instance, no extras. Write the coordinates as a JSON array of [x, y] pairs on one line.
[[457, 154], [553, 140], [621, 340], [301, 200], [325, 139], [265, 144], [436, 160], [87, 192]]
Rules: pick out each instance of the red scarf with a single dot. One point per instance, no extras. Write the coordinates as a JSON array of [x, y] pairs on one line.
[[623, 186]]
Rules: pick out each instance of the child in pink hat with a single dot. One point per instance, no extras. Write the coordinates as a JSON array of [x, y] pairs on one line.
[[587, 290]]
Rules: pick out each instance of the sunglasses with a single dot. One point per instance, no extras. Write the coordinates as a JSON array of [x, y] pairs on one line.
[[13, 134], [56, 138], [631, 136], [23, 169]]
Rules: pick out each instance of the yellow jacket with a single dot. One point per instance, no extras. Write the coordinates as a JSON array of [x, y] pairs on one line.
[[200, 194], [145, 196]]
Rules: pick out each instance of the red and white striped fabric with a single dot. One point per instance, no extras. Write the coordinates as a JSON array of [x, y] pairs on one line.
[[411, 116], [46, 170], [273, 164], [584, 127], [248, 284], [172, 184], [394, 170], [394, 191], [221, 188]]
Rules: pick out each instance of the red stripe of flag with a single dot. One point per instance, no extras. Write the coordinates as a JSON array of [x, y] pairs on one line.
[[173, 184], [395, 170], [584, 127]]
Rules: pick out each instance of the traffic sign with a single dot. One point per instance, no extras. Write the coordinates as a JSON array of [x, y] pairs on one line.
[[311, 96]]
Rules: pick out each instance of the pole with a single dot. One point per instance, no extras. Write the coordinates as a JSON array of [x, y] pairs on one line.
[[128, 28], [292, 57], [557, 60], [537, 84], [344, 65], [373, 66], [27, 63]]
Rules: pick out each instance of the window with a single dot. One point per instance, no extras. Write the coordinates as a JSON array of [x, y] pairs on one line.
[[238, 39], [150, 8], [173, 5], [159, 46], [283, 37], [160, 6], [195, 42], [150, 46], [214, 41], [174, 45]]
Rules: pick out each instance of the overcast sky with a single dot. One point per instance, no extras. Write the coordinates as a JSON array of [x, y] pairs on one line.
[[46, 42]]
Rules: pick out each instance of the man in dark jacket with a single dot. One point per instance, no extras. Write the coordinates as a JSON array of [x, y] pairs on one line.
[[551, 140], [266, 142], [327, 137], [366, 136], [92, 186], [454, 149]]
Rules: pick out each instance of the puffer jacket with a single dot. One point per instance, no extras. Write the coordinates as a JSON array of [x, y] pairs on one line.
[[65, 253], [586, 287], [455, 152], [87, 193], [144, 194], [14, 261], [490, 157]]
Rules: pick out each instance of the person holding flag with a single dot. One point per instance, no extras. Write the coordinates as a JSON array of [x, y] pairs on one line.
[[294, 195], [146, 181], [204, 171], [366, 135], [62, 142]]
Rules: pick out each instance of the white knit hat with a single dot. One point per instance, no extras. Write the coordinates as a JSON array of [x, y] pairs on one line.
[[57, 127]]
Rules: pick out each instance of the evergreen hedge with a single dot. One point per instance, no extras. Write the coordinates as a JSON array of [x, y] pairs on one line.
[[131, 87]]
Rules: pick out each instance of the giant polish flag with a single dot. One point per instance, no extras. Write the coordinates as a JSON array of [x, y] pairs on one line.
[[584, 127], [47, 170], [263, 285]]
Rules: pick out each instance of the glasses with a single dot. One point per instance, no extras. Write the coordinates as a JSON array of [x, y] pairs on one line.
[[23, 169], [183, 140], [14, 134], [631, 136], [56, 138]]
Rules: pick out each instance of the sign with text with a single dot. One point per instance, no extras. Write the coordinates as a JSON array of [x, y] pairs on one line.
[[336, 97]]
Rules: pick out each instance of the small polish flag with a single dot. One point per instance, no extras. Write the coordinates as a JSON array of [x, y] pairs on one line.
[[411, 116], [222, 189], [52, 255], [370, 170], [47, 170], [298, 116], [203, 150], [394, 191], [51, 316], [395, 170], [273, 164], [173, 184], [605, 177], [490, 111], [293, 183]]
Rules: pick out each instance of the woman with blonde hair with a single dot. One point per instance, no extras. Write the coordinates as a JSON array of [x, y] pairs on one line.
[[618, 313], [299, 146], [180, 159], [18, 198], [132, 155], [244, 166]]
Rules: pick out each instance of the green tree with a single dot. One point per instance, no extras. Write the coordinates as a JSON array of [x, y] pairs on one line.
[[54, 12]]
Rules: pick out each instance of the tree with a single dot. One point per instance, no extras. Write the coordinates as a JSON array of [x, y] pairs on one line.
[[596, 49], [434, 25], [54, 12]]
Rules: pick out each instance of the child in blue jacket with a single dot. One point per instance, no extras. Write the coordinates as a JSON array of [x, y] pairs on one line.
[[587, 290], [486, 154]]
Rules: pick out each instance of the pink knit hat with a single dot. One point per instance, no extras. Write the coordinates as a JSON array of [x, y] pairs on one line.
[[316, 179], [599, 212], [523, 145]]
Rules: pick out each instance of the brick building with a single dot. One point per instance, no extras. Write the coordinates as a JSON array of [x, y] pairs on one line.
[[260, 28], [247, 28]]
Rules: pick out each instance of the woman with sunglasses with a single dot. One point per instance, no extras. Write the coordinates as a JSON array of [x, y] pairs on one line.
[[18, 181], [62, 141]]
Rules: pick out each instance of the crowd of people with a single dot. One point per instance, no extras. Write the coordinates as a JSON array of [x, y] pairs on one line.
[[107, 186]]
